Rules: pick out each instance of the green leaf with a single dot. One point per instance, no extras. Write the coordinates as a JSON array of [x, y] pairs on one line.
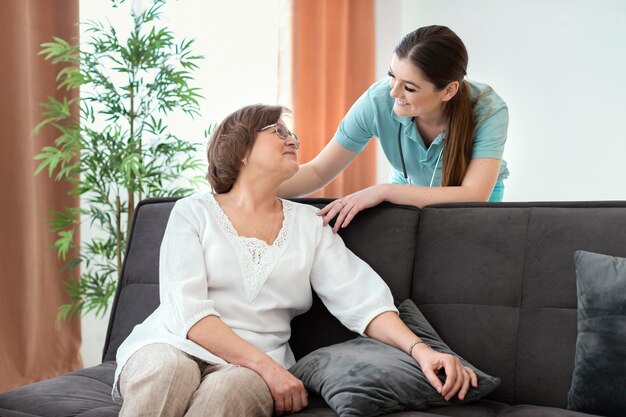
[[64, 219], [72, 263], [51, 157], [64, 243]]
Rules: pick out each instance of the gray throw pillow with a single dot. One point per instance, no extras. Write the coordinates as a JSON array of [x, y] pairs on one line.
[[599, 379], [365, 377]]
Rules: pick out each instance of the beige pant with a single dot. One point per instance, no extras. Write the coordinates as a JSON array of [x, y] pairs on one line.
[[161, 380]]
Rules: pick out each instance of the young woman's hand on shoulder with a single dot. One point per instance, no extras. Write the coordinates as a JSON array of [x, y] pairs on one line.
[[347, 207]]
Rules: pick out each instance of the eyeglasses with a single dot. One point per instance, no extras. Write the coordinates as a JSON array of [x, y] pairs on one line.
[[283, 133]]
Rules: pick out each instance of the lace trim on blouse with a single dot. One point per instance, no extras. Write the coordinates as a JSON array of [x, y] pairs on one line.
[[256, 258]]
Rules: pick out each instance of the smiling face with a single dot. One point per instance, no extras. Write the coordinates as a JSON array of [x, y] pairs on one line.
[[271, 154], [414, 95]]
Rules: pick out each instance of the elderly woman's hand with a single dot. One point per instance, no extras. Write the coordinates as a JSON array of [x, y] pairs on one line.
[[347, 207], [287, 390], [458, 377]]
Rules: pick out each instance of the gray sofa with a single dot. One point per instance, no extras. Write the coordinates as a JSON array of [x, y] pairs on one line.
[[497, 282]]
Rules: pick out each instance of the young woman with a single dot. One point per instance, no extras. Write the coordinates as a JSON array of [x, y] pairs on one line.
[[443, 135], [235, 267]]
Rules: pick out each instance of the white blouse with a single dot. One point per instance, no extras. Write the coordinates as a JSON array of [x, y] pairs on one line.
[[206, 268]]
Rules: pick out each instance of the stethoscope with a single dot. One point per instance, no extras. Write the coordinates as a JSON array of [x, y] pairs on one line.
[[406, 176]]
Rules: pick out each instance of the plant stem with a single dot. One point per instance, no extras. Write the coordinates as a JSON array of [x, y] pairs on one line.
[[131, 121], [118, 233]]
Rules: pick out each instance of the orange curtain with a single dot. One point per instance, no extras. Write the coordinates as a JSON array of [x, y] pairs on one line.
[[333, 64], [31, 348]]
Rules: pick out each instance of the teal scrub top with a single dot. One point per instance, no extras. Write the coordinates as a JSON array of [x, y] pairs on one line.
[[372, 115]]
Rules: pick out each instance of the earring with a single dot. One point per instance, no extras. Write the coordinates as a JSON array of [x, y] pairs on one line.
[[245, 161]]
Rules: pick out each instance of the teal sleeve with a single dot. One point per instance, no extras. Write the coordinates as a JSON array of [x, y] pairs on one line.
[[358, 126], [491, 134]]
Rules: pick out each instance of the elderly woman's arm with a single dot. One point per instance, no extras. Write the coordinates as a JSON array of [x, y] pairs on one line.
[[215, 336], [360, 299], [388, 328]]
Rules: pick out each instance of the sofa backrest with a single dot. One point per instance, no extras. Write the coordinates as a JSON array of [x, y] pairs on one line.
[[385, 236], [137, 294], [497, 281]]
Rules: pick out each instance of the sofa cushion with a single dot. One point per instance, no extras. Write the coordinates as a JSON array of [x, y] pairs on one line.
[[539, 411], [599, 380], [548, 319], [365, 377], [84, 393], [507, 270], [481, 408], [469, 265]]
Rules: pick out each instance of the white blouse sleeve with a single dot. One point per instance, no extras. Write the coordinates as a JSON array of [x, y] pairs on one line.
[[183, 280], [350, 289]]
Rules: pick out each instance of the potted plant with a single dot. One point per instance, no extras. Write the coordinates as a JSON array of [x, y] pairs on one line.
[[114, 144]]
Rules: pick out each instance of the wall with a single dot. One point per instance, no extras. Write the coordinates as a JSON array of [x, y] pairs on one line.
[[559, 65]]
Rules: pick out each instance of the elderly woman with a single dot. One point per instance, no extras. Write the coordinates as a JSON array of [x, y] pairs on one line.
[[235, 268]]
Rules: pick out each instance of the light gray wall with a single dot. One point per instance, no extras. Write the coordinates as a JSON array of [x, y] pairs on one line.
[[559, 65]]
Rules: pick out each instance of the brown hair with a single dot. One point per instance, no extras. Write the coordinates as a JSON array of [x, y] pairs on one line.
[[232, 140], [441, 56]]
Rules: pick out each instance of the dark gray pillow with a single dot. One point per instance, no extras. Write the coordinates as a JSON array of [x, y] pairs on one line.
[[599, 379], [365, 377]]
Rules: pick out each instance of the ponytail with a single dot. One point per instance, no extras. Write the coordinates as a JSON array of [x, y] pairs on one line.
[[459, 137]]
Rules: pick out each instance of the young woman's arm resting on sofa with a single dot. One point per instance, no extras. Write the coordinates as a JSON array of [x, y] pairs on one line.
[[388, 328]]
